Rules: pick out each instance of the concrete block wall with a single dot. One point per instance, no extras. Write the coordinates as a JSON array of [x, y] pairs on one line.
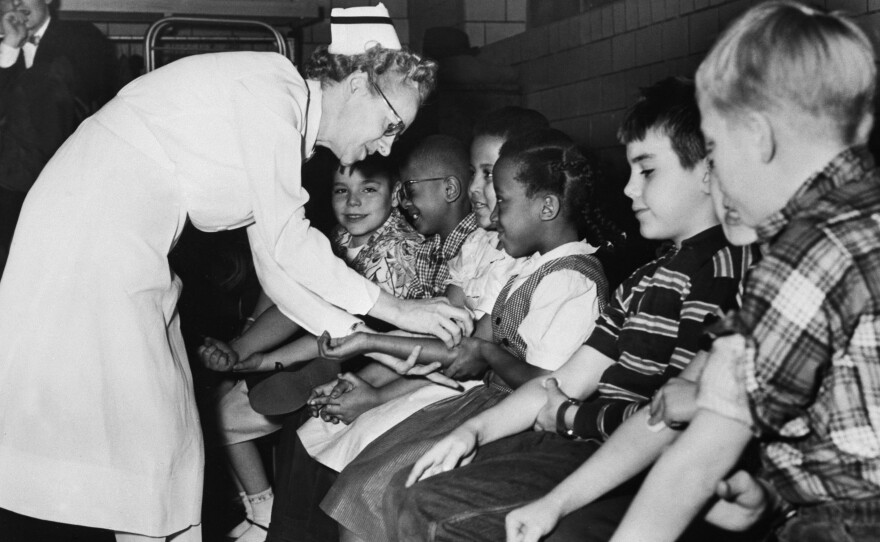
[[488, 21], [584, 71]]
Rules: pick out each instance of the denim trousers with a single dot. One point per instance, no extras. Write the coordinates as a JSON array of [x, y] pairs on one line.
[[841, 521], [471, 502]]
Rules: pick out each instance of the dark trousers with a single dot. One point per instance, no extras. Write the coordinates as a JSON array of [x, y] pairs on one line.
[[300, 485], [471, 502]]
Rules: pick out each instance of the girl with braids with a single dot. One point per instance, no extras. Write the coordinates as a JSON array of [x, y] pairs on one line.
[[540, 318], [100, 426], [649, 333]]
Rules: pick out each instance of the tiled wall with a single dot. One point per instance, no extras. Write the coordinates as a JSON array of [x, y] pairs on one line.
[[488, 21], [583, 72]]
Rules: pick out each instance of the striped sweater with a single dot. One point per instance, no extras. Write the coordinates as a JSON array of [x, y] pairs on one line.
[[654, 322]]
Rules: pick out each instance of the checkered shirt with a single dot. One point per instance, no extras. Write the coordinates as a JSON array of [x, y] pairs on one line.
[[811, 320], [432, 259]]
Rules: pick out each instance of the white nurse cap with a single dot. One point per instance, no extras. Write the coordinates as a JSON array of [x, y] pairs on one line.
[[354, 30]]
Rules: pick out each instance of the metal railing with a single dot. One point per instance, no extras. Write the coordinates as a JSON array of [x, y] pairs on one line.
[[153, 37]]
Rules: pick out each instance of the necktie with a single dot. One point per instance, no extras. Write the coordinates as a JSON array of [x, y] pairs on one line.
[[35, 40]]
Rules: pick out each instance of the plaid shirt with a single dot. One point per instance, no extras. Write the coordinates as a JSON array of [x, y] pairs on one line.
[[432, 258], [811, 320], [653, 325], [388, 256]]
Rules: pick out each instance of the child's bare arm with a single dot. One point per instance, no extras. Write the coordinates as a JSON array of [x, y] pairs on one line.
[[633, 446], [299, 351], [690, 469], [269, 330], [579, 377], [343, 348], [631, 449]]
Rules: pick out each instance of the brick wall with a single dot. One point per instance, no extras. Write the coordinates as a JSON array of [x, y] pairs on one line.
[[583, 72]]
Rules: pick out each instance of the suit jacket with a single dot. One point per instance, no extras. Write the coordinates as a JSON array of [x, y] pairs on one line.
[[73, 75], [89, 53]]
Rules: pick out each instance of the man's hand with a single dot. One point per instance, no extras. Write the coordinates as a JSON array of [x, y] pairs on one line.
[[546, 420], [14, 28]]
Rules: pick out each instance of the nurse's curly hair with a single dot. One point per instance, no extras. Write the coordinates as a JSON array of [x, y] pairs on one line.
[[375, 61]]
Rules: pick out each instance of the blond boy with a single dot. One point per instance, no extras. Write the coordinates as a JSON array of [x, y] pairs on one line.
[[786, 100]]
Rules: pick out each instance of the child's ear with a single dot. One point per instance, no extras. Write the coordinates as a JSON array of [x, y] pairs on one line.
[[704, 171], [763, 136], [452, 189], [550, 207]]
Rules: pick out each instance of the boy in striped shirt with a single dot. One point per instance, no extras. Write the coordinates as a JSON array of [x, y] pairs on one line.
[[648, 334]]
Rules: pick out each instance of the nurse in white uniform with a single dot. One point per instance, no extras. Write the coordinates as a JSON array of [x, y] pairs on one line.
[[98, 425]]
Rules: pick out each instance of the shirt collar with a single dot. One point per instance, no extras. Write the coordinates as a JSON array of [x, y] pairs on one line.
[[42, 30], [709, 237], [452, 243], [850, 165], [537, 259], [313, 117]]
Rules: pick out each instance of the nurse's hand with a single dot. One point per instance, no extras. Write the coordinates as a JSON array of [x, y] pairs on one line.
[[436, 316], [217, 355]]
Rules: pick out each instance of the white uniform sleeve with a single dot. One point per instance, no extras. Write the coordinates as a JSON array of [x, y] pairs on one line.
[[562, 315], [294, 261]]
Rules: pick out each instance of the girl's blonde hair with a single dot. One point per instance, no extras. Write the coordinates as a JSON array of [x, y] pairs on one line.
[[785, 57]]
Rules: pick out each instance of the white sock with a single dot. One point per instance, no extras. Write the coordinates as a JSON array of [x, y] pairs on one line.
[[240, 529], [261, 503]]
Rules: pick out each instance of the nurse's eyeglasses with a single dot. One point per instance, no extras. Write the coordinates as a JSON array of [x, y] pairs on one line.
[[394, 128], [405, 192]]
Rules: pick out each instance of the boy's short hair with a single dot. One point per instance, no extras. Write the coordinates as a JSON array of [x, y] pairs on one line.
[[445, 155], [510, 122], [783, 55], [670, 107], [376, 165]]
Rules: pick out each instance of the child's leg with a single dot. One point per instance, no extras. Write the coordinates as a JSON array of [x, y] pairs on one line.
[[240, 425]]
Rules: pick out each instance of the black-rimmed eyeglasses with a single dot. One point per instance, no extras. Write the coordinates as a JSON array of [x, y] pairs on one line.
[[395, 128], [406, 187]]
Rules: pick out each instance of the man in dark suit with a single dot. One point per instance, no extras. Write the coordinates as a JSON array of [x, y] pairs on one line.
[[53, 74]]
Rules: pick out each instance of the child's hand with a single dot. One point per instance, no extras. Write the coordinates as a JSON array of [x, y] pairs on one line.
[[469, 363], [320, 394], [533, 521], [356, 398], [217, 355], [457, 448], [743, 501], [255, 362], [546, 420], [674, 404], [340, 348]]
